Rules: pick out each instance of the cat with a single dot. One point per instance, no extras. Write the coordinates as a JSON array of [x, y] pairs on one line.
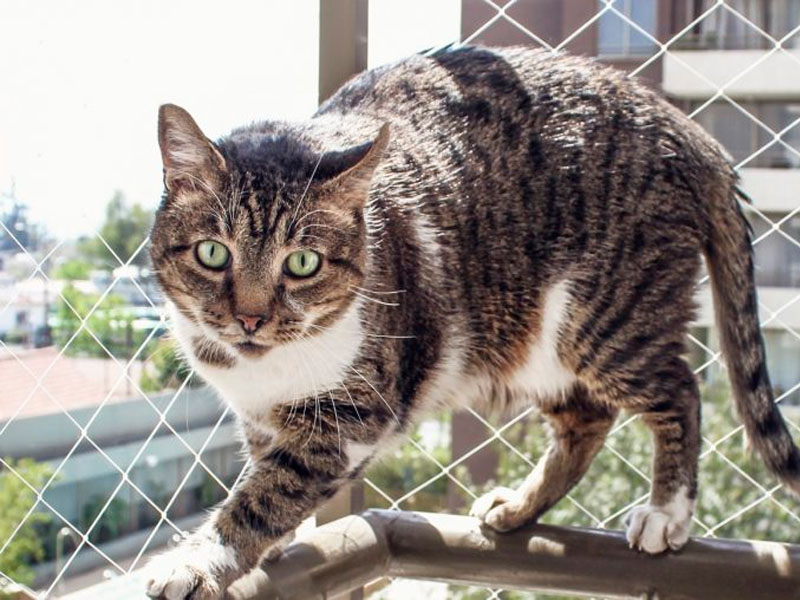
[[495, 227]]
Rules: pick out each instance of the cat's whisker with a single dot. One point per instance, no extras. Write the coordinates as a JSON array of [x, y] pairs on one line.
[[316, 210], [366, 334], [340, 382], [374, 389], [371, 299], [290, 416], [317, 410], [314, 422], [208, 188], [235, 206], [305, 191], [377, 291], [308, 371], [355, 408], [336, 419]]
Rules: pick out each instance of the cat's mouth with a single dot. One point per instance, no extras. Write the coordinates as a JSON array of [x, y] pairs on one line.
[[252, 349]]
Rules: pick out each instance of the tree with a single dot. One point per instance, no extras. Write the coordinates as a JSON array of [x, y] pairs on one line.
[[73, 269], [124, 228], [111, 323], [166, 369], [16, 499]]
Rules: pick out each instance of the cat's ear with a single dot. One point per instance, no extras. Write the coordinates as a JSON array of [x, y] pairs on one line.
[[352, 169], [190, 158]]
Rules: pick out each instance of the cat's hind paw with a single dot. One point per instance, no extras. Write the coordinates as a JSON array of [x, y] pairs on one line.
[[501, 509], [655, 529]]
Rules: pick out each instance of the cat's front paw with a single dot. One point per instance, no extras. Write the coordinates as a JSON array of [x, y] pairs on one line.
[[196, 570], [653, 529], [501, 509]]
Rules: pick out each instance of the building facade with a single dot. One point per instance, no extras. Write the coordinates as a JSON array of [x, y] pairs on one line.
[[721, 65]]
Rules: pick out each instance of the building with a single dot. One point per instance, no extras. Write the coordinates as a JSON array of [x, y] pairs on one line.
[[126, 437], [757, 118]]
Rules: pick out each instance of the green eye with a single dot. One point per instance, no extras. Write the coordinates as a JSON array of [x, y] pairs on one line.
[[303, 263], [212, 254]]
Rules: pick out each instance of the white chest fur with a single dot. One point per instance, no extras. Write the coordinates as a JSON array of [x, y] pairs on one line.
[[287, 372]]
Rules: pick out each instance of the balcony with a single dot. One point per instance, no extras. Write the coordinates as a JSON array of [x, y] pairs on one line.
[[698, 74], [773, 190]]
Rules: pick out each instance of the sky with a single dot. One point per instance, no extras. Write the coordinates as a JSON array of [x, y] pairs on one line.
[[81, 82]]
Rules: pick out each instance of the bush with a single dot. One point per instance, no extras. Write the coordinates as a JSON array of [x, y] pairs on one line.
[[111, 323], [166, 369], [16, 499]]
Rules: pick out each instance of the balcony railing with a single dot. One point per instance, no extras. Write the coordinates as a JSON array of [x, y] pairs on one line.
[[356, 550]]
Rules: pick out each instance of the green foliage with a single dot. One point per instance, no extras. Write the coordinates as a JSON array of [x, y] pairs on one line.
[[72, 270], [111, 323], [124, 228], [16, 499], [209, 492], [166, 369], [612, 483], [113, 521], [405, 469]]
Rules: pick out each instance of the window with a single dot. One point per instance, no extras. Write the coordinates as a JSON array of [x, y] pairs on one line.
[[617, 37], [747, 140], [726, 30]]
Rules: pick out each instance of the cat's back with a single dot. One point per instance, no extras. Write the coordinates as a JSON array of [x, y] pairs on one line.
[[498, 110], [526, 172]]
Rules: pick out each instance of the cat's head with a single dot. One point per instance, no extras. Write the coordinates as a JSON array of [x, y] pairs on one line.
[[260, 239]]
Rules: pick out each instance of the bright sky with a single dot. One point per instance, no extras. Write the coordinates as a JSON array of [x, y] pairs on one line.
[[81, 82]]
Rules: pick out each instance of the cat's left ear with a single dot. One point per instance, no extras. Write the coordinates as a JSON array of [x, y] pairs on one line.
[[352, 169]]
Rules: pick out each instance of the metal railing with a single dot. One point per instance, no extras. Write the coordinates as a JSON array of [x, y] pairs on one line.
[[354, 551]]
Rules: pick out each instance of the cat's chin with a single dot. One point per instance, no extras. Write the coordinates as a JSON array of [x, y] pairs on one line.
[[251, 349]]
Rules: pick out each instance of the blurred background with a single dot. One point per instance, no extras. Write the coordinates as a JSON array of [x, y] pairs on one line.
[[110, 445]]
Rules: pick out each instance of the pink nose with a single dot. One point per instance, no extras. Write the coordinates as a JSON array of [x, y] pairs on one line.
[[250, 323]]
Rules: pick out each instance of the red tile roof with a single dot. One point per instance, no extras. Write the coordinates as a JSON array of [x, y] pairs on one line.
[[71, 382]]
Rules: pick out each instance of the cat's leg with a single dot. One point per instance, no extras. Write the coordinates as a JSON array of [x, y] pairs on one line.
[[674, 419], [312, 455], [578, 427]]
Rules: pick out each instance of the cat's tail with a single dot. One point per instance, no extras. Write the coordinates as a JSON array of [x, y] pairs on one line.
[[729, 254]]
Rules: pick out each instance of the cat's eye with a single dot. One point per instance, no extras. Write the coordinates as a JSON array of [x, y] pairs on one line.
[[303, 263], [212, 255]]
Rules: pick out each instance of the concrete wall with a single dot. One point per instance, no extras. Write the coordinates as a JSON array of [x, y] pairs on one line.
[[157, 466], [777, 77]]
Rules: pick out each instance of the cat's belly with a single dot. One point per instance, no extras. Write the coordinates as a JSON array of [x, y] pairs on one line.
[[542, 375]]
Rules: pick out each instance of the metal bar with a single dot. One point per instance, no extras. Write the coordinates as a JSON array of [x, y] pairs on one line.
[[342, 43], [333, 559], [349, 500], [357, 549]]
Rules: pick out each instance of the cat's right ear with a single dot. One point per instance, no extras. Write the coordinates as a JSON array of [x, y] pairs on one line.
[[190, 159]]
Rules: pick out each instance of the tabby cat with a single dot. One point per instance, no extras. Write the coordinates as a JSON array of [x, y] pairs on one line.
[[495, 227]]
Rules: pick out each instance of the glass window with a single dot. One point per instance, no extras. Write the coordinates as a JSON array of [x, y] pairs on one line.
[[617, 37], [738, 28]]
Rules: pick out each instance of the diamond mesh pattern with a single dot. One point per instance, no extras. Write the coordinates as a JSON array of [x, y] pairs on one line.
[[439, 480]]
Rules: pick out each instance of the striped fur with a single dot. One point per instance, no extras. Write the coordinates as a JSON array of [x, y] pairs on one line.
[[497, 227]]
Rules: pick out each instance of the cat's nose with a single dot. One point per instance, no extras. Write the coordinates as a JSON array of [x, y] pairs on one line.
[[250, 323]]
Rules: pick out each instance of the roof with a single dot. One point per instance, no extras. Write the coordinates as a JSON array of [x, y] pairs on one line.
[[71, 382]]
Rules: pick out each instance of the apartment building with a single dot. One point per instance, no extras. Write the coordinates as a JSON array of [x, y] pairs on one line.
[[721, 66]]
